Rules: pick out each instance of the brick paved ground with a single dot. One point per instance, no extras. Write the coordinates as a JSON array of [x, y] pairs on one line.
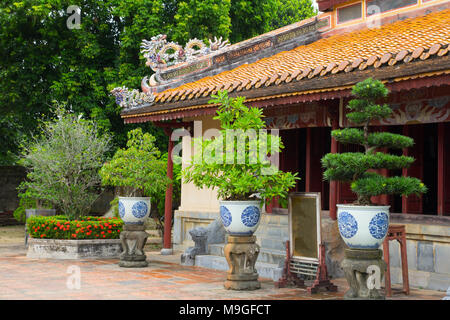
[[164, 278]]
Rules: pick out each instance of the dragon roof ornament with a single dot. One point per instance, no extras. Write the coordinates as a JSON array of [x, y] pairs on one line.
[[129, 99], [161, 54]]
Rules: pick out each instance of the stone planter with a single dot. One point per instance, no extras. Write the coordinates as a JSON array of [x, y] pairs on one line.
[[74, 249], [363, 227], [240, 218], [134, 210]]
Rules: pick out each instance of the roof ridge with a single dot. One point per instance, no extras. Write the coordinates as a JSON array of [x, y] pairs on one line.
[[322, 58]]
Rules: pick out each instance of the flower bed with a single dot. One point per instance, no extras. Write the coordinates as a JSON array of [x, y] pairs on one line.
[[59, 227]]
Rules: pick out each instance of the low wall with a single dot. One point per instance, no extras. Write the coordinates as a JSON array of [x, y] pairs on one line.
[[428, 255], [74, 249]]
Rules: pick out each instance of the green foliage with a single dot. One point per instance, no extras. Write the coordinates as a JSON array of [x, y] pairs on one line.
[[43, 60], [355, 167], [63, 163], [236, 162], [27, 202], [291, 11], [59, 227], [139, 168], [209, 19]]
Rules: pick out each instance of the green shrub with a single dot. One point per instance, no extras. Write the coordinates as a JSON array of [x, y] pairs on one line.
[[63, 163], [138, 169], [27, 202], [59, 227], [354, 167], [236, 162]]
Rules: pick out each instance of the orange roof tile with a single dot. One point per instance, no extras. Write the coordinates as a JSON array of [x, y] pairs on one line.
[[403, 41]]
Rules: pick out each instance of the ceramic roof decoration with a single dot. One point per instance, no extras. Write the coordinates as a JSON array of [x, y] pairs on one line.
[[129, 99], [161, 54]]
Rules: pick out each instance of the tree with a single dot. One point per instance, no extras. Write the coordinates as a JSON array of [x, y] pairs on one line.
[[356, 167], [291, 11], [63, 163], [236, 162], [202, 19], [43, 60]]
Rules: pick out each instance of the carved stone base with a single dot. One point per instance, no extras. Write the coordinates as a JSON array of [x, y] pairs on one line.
[[241, 254], [133, 239], [364, 270]]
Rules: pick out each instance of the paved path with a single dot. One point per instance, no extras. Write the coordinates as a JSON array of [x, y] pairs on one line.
[[164, 278]]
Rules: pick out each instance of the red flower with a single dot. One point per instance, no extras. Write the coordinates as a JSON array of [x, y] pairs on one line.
[[109, 231]]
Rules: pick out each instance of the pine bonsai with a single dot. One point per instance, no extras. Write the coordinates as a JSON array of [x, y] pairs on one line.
[[354, 167]]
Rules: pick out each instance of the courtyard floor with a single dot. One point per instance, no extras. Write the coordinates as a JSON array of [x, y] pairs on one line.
[[22, 278]]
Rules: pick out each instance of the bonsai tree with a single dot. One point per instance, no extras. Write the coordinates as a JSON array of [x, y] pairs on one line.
[[355, 167], [236, 162], [158, 199], [138, 169], [63, 163]]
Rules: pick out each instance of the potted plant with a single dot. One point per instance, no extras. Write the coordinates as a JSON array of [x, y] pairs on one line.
[[363, 225], [236, 164], [139, 172]]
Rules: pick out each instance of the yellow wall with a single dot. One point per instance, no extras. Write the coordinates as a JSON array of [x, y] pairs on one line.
[[193, 199]]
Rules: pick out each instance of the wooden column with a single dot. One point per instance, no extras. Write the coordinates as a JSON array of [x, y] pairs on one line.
[[169, 192], [441, 168], [308, 161], [334, 184]]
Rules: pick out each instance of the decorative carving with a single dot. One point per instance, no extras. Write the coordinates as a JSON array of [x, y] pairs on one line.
[[241, 254], [133, 256], [160, 54], [199, 235], [356, 265], [129, 99]]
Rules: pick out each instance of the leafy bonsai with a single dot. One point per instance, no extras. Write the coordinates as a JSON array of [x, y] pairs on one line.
[[354, 167], [236, 162], [63, 163], [138, 170]]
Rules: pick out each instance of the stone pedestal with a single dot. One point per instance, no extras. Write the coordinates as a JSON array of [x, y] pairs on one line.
[[133, 239], [241, 254], [364, 270]]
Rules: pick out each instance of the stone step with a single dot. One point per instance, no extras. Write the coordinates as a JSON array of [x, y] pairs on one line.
[[265, 255], [265, 270]]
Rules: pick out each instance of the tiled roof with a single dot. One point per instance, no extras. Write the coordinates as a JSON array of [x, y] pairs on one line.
[[396, 43]]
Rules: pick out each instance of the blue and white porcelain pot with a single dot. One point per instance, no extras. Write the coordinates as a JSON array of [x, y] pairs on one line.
[[240, 218], [363, 227], [134, 210]]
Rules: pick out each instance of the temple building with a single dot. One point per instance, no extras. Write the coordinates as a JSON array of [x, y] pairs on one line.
[[301, 76]]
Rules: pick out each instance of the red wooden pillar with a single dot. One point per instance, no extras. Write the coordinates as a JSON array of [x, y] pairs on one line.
[[308, 161], [441, 168], [334, 184], [167, 247]]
